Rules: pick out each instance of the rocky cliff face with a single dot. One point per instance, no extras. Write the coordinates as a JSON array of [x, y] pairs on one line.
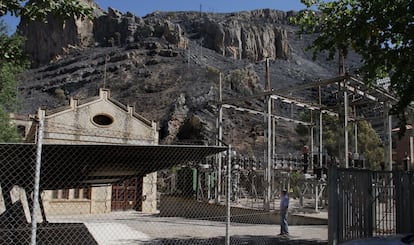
[[48, 41], [254, 35], [168, 66]]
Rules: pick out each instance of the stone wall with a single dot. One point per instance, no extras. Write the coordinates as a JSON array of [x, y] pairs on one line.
[[149, 193]]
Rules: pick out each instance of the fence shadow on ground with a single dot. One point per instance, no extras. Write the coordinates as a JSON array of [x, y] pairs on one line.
[[50, 234], [250, 240]]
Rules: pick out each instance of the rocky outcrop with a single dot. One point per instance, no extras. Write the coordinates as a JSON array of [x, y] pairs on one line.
[[176, 119], [115, 29], [241, 39], [47, 41], [254, 35]]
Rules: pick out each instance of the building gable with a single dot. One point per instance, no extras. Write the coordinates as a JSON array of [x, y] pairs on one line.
[[98, 120]]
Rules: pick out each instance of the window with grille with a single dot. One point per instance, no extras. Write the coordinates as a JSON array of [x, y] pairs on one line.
[[82, 193]]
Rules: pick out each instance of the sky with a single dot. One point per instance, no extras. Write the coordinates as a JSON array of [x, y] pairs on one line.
[[144, 7]]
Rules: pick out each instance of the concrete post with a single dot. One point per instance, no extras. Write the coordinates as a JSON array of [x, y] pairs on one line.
[[228, 196], [389, 142], [311, 147], [355, 131], [388, 136], [346, 149], [320, 128], [320, 138], [268, 154]]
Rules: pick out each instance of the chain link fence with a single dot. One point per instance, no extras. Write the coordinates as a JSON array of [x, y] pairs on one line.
[[80, 191]]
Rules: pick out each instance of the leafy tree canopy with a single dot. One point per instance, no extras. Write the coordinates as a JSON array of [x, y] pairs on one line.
[[40, 9], [369, 143], [35, 10], [11, 47], [12, 57], [12, 62], [381, 31]]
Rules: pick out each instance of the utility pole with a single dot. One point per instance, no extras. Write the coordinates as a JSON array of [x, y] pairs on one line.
[[228, 208], [268, 139], [107, 58], [388, 136], [355, 135], [311, 142], [341, 63], [341, 72], [346, 127], [267, 76], [320, 130]]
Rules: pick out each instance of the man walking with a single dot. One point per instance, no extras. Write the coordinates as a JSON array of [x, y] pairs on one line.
[[284, 205]]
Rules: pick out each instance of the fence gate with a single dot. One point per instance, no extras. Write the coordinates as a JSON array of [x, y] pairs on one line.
[[355, 210], [404, 183], [370, 203]]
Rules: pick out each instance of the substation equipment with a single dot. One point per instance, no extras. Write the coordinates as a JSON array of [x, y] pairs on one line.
[[256, 180]]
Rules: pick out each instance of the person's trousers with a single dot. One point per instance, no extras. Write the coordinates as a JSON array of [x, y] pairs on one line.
[[283, 222]]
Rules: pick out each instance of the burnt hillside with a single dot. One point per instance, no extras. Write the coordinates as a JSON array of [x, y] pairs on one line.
[[167, 65]]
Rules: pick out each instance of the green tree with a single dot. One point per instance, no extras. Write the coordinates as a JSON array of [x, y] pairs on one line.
[[11, 47], [379, 30], [36, 10], [369, 142], [40, 9], [8, 131], [12, 62], [12, 57]]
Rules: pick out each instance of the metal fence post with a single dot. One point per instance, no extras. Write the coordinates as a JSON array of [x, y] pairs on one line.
[[333, 205], [228, 196], [37, 177], [220, 142]]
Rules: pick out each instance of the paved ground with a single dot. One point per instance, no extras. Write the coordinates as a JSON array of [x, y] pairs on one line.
[[135, 228]]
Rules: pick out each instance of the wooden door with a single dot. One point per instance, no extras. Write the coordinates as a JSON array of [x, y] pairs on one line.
[[125, 195]]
